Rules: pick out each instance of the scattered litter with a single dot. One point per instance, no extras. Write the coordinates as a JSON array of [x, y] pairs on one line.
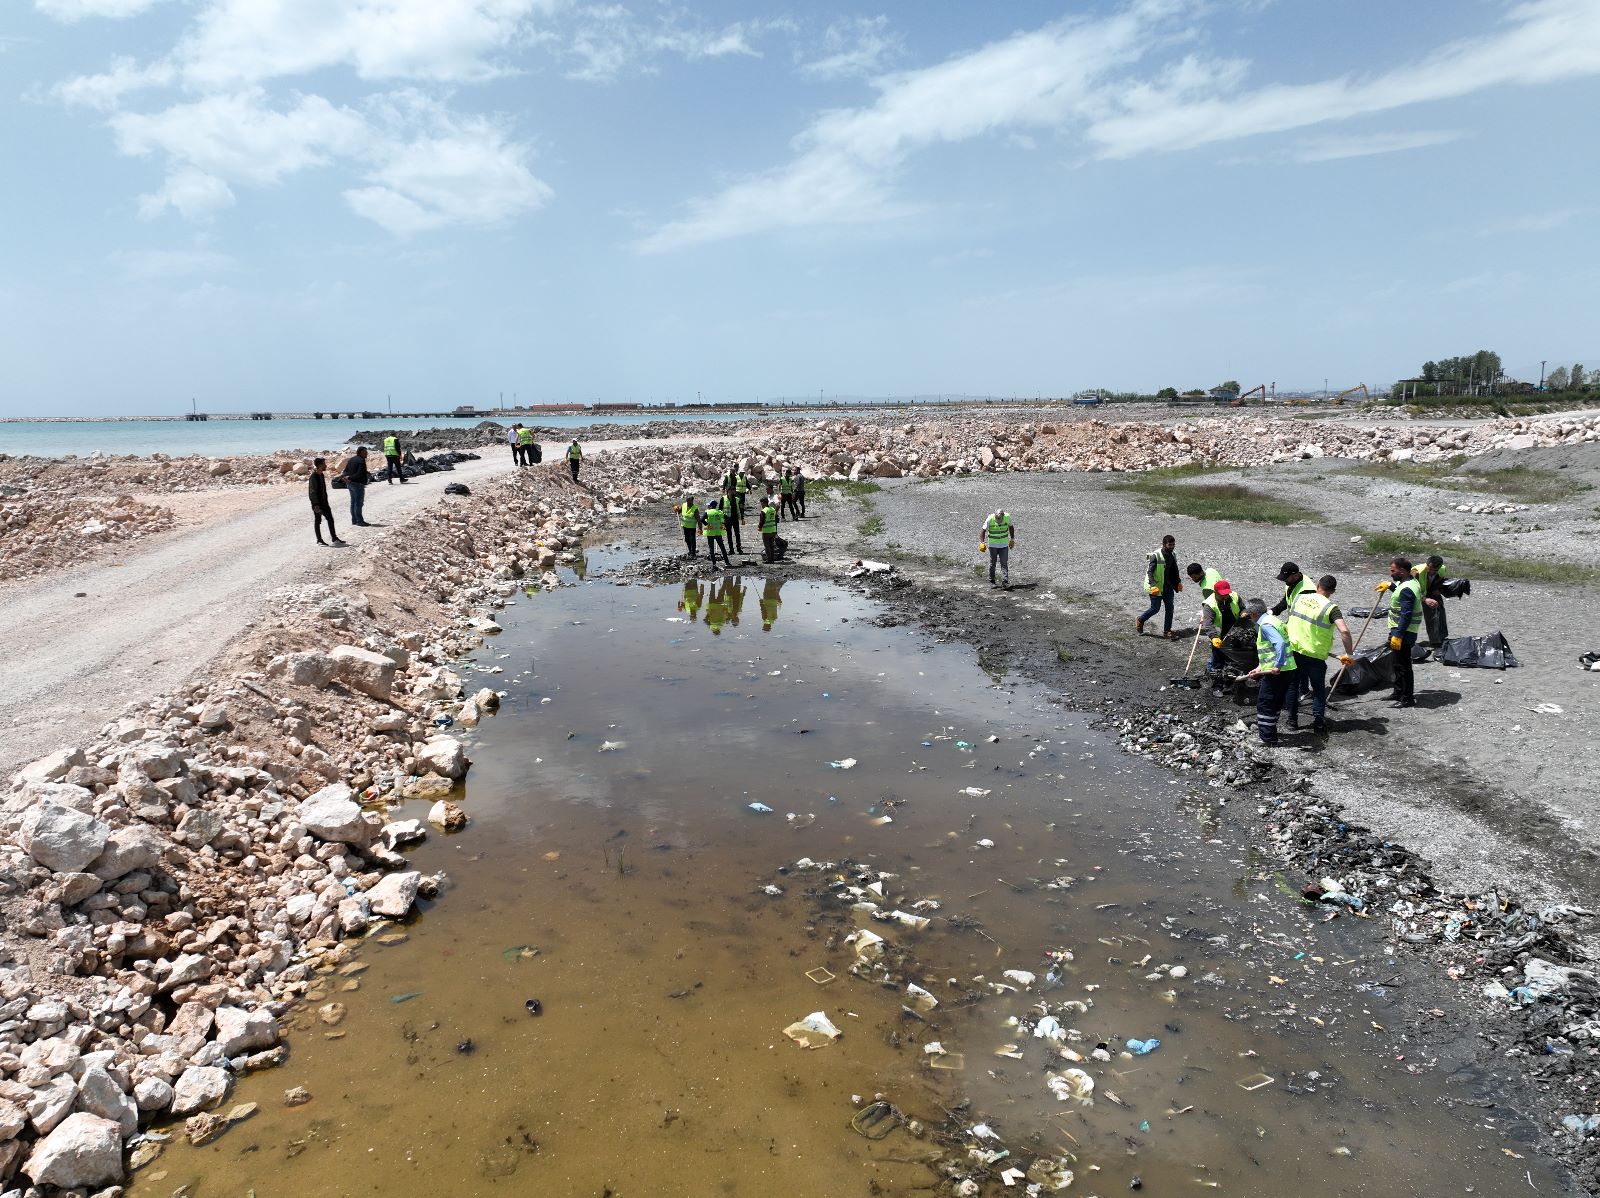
[[1256, 1081], [846, 763], [1581, 1125], [1141, 1048], [919, 998], [933, 1049], [876, 1121], [533, 1006], [771, 891], [1073, 1085], [1020, 976], [863, 566], [1489, 652], [1547, 708], [406, 997], [821, 975], [816, 1030], [985, 843], [869, 945], [611, 746], [954, 1061], [975, 792], [519, 952], [760, 808], [1012, 1176]]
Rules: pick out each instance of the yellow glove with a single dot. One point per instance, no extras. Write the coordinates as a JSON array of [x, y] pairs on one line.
[[1395, 643], [1383, 586], [1216, 642], [1155, 590], [1346, 660]]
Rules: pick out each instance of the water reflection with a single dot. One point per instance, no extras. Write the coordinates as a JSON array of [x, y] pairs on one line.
[[721, 603], [723, 606], [770, 603]]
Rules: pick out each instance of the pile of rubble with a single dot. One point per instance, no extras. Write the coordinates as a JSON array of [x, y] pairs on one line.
[[157, 474], [40, 531]]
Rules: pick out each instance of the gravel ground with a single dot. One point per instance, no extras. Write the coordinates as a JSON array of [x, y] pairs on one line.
[[1474, 779]]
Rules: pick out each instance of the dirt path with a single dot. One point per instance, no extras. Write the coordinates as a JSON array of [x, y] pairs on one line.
[[81, 645]]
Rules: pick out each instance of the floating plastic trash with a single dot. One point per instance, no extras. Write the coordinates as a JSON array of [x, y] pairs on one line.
[[406, 997], [876, 1121], [1073, 1085], [761, 808], [954, 1061], [1256, 1081], [975, 792], [1141, 1048], [919, 998], [1051, 1174], [869, 945], [519, 952], [845, 763], [1049, 1028], [933, 1049], [1020, 976], [821, 975], [611, 746], [816, 1030]]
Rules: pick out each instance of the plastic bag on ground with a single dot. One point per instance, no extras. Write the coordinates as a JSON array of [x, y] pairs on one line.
[[1488, 652], [816, 1030]]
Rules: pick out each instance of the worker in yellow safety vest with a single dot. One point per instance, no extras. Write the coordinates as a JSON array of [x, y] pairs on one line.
[[769, 532], [715, 518], [999, 534], [574, 459], [1206, 579], [690, 519], [1405, 619], [1275, 671], [1312, 620], [391, 454]]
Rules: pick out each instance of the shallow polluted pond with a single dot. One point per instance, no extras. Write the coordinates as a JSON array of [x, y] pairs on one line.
[[761, 899]]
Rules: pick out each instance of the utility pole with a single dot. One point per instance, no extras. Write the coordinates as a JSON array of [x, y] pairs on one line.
[[390, 398], [1541, 373]]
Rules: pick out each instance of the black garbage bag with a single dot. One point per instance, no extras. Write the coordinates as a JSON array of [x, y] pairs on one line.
[[1421, 652], [456, 489], [1456, 588], [1588, 659], [1489, 652], [1372, 668]]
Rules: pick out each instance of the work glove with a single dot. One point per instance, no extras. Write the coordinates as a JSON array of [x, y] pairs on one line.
[[1178, 586], [1216, 642], [1346, 660], [1395, 643], [1155, 590], [1383, 586]]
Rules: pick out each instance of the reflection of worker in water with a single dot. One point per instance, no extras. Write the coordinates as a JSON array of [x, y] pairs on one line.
[[722, 606], [770, 603], [694, 595]]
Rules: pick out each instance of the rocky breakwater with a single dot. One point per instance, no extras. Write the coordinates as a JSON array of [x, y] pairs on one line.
[[41, 530]]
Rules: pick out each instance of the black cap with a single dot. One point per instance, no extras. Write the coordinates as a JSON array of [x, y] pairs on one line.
[[1288, 569]]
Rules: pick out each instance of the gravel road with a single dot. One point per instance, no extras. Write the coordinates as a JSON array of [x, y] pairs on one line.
[[81, 645]]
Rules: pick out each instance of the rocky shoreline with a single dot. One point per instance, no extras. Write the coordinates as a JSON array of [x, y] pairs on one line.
[[169, 888]]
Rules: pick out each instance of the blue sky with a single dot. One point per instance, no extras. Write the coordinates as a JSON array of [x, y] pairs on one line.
[[292, 203]]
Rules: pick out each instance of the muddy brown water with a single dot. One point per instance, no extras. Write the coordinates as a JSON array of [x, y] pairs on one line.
[[614, 872]]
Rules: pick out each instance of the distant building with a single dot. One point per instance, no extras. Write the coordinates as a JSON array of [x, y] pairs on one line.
[[1222, 394]]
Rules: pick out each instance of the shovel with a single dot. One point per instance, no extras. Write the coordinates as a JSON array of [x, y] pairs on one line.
[[1333, 686], [1187, 682]]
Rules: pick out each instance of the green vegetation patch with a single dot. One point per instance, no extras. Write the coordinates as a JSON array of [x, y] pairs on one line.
[[1521, 484], [871, 526], [1166, 491], [1466, 561], [843, 486]]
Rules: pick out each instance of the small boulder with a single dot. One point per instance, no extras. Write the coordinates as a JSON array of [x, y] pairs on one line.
[[241, 1031], [332, 815], [315, 670], [54, 767], [137, 846], [447, 815], [153, 1094], [444, 756], [62, 839], [99, 1094], [363, 670], [198, 1087], [394, 894], [84, 1151]]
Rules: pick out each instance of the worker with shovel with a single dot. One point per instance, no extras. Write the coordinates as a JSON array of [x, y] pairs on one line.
[[1312, 619], [1218, 614], [1275, 673]]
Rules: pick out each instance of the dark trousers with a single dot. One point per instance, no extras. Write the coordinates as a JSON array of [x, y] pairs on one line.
[[735, 533], [1405, 679], [688, 539], [790, 506], [769, 546], [396, 470], [1313, 677], [318, 515], [713, 544], [1000, 555], [1438, 624], [1156, 602], [358, 496], [572, 464], [516, 455], [1274, 692], [800, 501]]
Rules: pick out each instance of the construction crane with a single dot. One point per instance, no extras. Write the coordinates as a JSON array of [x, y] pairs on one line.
[[1361, 387]]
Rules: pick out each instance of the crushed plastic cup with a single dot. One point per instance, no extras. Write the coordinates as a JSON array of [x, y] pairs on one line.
[[876, 1121], [975, 792], [869, 945], [816, 1030]]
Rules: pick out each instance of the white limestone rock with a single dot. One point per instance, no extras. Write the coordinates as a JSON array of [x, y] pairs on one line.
[[84, 1151], [62, 839]]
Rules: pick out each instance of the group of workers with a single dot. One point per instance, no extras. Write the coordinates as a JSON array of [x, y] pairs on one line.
[[721, 519], [526, 450], [1295, 638]]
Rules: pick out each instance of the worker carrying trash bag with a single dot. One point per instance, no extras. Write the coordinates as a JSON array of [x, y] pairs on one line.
[[1312, 620], [1218, 614], [999, 533], [1431, 578]]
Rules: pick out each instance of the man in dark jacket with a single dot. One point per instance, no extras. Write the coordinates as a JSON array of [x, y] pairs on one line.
[[356, 476], [317, 489]]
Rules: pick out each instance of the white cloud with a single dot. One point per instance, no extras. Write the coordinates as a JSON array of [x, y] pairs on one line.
[[841, 174], [239, 42], [1333, 149], [464, 173], [1542, 41], [240, 136], [855, 48], [610, 40], [77, 10], [106, 90], [191, 193]]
